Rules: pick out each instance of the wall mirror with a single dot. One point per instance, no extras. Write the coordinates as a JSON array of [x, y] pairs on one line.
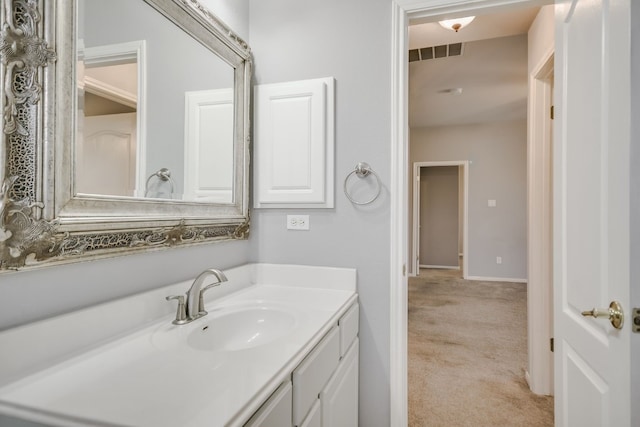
[[125, 128]]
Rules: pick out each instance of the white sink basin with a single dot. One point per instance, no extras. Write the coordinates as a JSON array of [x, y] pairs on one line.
[[241, 329]]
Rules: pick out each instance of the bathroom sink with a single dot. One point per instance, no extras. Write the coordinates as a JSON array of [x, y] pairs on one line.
[[240, 329]]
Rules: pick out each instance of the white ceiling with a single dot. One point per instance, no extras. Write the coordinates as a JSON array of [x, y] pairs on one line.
[[492, 71]]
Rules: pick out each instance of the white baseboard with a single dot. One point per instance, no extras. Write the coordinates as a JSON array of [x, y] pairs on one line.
[[443, 267], [496, 279]]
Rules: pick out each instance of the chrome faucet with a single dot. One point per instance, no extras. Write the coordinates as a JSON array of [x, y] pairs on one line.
[[195, 301]]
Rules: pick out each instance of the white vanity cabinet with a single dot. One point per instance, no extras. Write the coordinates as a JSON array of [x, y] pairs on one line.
[[340, 397], [325, 384], [313, 373], [323, 391], [314, 417], [276, 411]]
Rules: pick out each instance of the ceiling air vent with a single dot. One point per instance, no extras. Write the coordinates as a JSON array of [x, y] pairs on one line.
[[434, 52], [455, 49], [426, 53]]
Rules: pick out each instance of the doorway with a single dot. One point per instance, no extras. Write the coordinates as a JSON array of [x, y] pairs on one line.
[[400, 196], [457, 173], [438, 219]]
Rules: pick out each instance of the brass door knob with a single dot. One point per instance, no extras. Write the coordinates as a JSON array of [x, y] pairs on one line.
[[614, 313]]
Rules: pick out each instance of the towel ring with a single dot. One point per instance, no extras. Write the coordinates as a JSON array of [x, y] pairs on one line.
[[362, 170], [164, 175]]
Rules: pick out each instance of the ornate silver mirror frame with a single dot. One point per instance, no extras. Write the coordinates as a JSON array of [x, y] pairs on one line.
[[42, 222]]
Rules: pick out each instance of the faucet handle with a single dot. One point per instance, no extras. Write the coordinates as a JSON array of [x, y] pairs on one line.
[[181, 313]]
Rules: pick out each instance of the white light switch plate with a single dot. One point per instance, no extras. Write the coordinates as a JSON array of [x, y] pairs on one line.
[[491, 203]]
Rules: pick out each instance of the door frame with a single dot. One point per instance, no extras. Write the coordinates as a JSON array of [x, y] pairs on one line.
[[540, 226], [402, 10], [464, 167]]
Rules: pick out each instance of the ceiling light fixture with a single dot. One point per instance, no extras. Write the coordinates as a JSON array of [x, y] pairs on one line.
[[456, 24]]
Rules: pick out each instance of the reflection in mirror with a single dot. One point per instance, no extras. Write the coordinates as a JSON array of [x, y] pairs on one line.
[[170, 165], [208, 146], [152, 111], [108, 142]]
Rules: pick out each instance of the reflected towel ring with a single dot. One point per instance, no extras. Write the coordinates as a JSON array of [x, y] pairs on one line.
[[164, 175], [362, 170]]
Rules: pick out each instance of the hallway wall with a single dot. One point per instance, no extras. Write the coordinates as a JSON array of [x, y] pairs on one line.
[[497, 172]]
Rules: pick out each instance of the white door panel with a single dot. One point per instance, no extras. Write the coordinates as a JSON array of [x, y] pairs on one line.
[[107, 155], [591, 219]]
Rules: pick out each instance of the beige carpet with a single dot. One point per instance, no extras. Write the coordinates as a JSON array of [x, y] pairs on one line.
[[468, 354]]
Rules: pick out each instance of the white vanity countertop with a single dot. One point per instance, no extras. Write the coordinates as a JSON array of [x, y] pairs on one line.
[[153, 378]]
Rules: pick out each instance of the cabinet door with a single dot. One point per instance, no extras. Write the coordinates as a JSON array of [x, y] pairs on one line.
[[312, 375], [340, 396], [314, 417], [294, 144], [276, 411]]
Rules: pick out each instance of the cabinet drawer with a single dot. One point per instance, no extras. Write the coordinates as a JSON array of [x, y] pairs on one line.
[[313, 373], [349, 328], [276, 411], [313, 419]]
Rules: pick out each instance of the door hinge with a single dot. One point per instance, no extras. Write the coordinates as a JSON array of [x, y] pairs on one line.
[[551, 112], [404, 270], [551, 344], [635, 327]]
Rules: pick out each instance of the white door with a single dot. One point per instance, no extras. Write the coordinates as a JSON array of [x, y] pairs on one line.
[[107, 155], [591, 217]]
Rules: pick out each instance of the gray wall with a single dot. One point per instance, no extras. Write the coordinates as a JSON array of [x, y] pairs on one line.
[[291, 41], [349, 40], [498, 171], [31, 295], [234, 13], [635, 204], [439, 221]]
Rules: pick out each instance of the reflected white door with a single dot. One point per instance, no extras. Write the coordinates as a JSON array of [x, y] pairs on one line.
[[107, 157], [591, 216], [208, 146]]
